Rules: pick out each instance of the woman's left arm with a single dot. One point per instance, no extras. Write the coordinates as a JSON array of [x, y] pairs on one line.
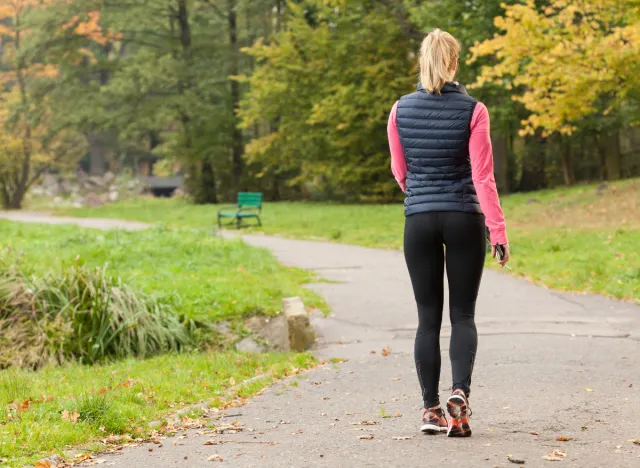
[[398, 161]]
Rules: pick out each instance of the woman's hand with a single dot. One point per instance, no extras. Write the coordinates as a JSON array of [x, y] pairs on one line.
[[506, 256]]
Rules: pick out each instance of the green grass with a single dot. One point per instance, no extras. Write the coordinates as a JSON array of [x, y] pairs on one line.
[[200, 275], [577, 239], [203, 276], [119, 398]]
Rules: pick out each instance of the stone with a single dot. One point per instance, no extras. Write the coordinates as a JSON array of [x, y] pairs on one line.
[[94, 200], [248, 345], [114, 196], [224, 328], [301, 334], [108, 177], [273, 330]]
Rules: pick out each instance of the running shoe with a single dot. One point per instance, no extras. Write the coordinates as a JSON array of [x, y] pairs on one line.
[[459, 412], [434, 421]]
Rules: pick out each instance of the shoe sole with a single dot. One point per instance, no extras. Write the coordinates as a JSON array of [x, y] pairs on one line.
[[432, 429], [458, 412]]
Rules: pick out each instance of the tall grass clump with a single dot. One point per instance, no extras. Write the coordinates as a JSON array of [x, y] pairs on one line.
[[82, 314]]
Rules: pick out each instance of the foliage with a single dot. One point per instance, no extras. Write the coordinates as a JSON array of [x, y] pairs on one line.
[[84, 315], [325, 86], [571, 58], [114, 403]]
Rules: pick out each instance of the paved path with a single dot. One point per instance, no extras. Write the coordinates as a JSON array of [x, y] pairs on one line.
[[540, 351], [46, 218]]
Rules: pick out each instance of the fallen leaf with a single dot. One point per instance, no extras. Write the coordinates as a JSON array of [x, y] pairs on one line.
[[323, 414], [402, 437], [533, 433], [386, 351], [232, 381], [73, 416], [588, 389], [365, 423], [366, 437], [398, 414], [24, 406], [564, 439], [211, 442], [43, 464], [556, 455], [372, 352], [634, 441], [396, 378], [215, 457], [517, 461]]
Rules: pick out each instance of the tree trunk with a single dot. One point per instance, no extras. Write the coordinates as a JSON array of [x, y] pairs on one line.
[[15, 190], [567, 162], [610, 152], [207, 185], [534, 164], [98, 153], [237, 147], [501, 162]]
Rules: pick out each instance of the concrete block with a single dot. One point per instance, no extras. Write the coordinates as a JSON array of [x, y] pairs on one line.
[[301, 334]]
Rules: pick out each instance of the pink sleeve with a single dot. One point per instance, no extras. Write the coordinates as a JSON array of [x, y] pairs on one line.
[[398, 162], [482, 171]]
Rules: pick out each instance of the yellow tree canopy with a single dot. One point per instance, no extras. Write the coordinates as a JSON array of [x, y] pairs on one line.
[[565, 57]]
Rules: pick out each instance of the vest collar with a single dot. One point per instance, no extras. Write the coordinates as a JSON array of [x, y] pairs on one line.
[[449, 87]]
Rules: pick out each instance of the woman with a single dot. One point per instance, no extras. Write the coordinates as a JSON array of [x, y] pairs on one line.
[[441, 157]]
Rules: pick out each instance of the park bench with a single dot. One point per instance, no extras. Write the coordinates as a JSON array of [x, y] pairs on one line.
[[249, 205]]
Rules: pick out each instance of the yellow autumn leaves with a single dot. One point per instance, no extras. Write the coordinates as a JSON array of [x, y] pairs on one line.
[[566, 59]]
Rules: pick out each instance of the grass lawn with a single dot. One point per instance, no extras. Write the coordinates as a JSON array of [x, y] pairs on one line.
[[56, 409], [204, 276], [576, 239]]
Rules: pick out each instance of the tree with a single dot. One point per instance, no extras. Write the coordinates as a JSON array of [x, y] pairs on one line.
[[33, 140], [571, 60], [324, 86]]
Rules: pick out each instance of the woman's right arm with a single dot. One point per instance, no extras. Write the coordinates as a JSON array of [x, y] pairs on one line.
[[398, 161], [481, 154]]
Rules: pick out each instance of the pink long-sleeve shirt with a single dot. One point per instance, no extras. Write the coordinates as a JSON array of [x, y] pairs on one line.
[[481, 155]]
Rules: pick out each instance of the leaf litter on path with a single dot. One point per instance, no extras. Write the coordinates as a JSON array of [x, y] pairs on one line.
[[634, 441], [366, 437], [517, 461], [564, 439]]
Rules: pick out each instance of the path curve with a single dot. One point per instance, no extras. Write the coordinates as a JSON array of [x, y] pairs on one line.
[[539, 352]]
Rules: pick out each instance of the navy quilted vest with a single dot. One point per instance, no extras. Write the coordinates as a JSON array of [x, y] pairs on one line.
[[434, 130]]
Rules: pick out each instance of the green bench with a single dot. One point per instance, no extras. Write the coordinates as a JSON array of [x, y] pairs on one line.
[[249, 205]]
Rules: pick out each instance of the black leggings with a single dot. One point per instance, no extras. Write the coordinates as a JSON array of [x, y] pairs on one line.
[[425, 237]]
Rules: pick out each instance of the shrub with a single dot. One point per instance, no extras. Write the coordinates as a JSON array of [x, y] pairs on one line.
[[82, 315]]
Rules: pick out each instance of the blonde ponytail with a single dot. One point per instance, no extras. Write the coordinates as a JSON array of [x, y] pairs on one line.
[[438, 60]]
